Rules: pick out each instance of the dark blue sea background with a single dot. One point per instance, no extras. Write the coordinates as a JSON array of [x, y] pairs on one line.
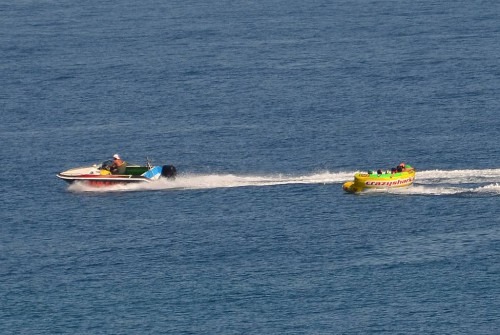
[[265, 108]]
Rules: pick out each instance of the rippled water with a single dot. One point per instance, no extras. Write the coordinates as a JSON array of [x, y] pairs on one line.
[[265, 109]]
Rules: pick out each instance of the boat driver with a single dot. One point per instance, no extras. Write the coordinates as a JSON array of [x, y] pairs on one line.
[[119, 166]]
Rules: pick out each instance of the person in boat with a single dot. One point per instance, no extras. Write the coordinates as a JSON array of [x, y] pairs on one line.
[[119, 166], [407, 168], [404, 167]]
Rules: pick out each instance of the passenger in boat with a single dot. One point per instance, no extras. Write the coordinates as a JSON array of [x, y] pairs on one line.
[[379, 171], [394, 170], [407, 168], [119, 166]]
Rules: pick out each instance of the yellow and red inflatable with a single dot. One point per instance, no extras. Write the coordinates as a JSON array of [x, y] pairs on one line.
[[362, 181]]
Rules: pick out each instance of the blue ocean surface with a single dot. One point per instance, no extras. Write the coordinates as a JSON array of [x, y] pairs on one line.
[[266, 109]]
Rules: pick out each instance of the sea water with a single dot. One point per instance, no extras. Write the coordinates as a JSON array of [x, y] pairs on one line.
[[265, 109]]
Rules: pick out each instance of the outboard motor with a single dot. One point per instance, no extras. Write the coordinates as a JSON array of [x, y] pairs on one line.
[[168, 171]]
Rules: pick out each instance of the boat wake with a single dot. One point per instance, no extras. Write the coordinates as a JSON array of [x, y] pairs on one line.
[[430, 182], [211, 181]]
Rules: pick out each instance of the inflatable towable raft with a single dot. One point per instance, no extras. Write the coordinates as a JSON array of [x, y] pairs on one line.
[[362, 181]]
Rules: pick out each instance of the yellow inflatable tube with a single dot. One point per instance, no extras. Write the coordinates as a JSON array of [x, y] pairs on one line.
[[363, 181]]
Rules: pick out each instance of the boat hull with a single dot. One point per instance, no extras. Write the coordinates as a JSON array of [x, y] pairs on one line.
[[99, 181], [364, 181]]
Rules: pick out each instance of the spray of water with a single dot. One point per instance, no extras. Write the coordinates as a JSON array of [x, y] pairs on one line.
[[210, 181], [430, 182]]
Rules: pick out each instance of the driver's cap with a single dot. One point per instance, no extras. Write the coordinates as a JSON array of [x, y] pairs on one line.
[[116, 156]]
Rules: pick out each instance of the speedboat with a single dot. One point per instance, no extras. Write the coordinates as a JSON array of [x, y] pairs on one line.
[[100, 175], [402, 177]]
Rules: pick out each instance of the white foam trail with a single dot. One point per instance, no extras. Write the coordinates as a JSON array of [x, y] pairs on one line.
[[458, 176], [492, 188], [200, 181], [449, 182], [430, 182]]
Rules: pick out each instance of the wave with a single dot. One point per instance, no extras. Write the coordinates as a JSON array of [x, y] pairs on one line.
[[458, 176], [428, 182]]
